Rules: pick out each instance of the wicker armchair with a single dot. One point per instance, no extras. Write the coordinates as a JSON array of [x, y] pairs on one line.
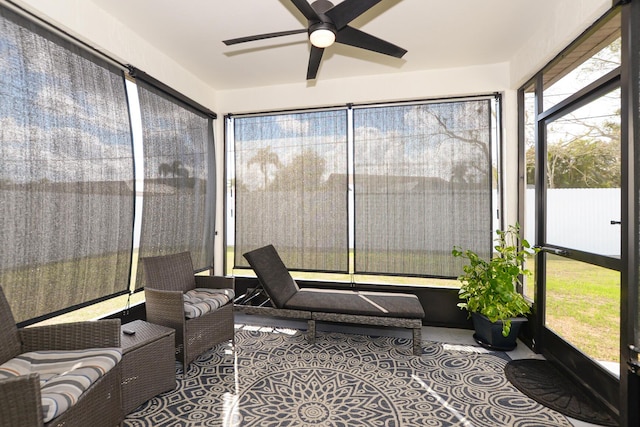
[[20, 397], [167, 279]]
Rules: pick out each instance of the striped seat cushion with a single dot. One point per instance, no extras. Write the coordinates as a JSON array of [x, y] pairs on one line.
[[199, 301], [64, 375]]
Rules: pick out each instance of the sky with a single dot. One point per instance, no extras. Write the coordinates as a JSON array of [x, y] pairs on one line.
[[406, 140], [63, 117]]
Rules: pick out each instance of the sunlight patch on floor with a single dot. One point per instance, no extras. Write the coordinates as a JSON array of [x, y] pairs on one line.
[[464, 422], [465, 348], [267, 329], [229, 408]]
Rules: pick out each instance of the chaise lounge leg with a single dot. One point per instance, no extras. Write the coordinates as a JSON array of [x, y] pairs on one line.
[[311, 331], [417, 341]]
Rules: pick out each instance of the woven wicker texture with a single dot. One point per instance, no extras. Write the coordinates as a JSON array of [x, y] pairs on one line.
[[169, 272], [148, 363], [9, 337], [166, 281], [20, 404]]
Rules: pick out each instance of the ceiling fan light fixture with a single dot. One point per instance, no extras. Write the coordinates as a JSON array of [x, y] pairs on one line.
[[322, 37]]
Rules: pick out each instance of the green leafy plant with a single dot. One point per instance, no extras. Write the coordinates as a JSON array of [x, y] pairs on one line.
[[490, 287]]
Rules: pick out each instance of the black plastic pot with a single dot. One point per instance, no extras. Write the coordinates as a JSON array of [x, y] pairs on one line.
[[489, 334]]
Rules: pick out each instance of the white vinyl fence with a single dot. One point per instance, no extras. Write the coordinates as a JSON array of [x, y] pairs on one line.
[[579, 218]]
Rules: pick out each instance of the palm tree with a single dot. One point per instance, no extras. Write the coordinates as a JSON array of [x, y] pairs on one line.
[[263, 158], [164, 169]]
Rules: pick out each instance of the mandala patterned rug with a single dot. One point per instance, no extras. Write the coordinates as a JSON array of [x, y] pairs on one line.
[[274, 377]]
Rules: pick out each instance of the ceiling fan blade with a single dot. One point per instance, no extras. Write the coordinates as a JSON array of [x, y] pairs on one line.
[[353, 37], [314, 62], [305, 8], [349, 10], [263, 36]]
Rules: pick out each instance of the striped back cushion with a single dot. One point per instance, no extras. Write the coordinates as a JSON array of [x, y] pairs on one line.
[[64, 375], [203, 300]]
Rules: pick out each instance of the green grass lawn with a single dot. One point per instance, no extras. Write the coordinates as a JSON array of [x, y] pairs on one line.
[[583, 306]]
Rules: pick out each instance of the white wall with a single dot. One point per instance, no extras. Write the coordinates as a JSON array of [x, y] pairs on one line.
[[563, 26], [390, 87]]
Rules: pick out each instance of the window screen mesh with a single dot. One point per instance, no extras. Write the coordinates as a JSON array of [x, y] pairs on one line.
[[291, 188], [178, 202], [66, 193], [422, 185]]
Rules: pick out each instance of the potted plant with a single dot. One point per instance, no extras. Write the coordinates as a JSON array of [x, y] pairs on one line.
[[489, 289]]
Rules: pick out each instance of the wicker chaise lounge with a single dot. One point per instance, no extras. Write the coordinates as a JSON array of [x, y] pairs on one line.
[[344, 306]]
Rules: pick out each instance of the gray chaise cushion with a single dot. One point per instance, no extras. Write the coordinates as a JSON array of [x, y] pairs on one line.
[[285, 293], [273, 274], [357, 302], [403, 305]]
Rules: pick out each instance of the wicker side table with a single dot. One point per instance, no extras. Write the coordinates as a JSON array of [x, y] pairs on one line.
[[148, 362]]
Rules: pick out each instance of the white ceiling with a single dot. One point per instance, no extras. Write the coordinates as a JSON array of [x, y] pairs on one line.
[[437, 34]]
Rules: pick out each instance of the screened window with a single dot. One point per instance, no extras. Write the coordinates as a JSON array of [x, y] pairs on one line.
[[66, 194], [583, 177], [368, 190], [291, 188], [422, 185], [530, 153], [178, 201]]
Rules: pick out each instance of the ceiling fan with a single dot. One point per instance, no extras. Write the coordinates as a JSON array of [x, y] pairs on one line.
[[328, 24]]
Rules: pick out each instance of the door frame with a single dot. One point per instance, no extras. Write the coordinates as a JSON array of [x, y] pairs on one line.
[[629, 393], [609, 388]]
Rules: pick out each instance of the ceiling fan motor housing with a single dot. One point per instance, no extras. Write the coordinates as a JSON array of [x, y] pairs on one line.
[[321, 6]]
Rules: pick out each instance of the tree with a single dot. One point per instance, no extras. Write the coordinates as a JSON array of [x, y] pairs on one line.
[[263, 158], [164, 169], [176, 169], [466, 170], [580, 163], [304, 172], [587, 155]]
